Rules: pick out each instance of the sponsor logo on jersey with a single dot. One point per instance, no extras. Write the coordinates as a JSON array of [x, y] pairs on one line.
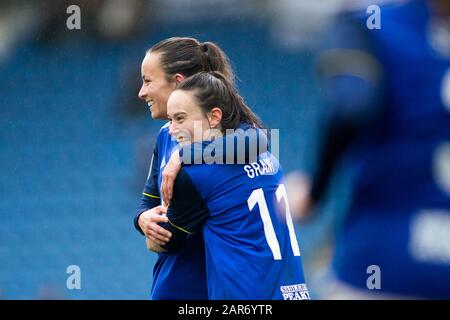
[[295, 292]]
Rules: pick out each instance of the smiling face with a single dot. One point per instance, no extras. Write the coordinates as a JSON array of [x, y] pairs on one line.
[[186, 118], [155, 88]]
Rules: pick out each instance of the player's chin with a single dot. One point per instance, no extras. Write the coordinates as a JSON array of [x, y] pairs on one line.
[[156, 114]]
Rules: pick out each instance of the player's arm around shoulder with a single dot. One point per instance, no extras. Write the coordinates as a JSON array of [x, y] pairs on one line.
[[155, 235], [186, 213]]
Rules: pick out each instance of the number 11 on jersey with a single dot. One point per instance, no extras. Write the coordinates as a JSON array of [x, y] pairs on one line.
[[257, 197]]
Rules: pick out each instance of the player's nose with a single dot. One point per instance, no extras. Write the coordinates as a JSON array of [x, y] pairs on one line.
[[142, 93], [172, 128]]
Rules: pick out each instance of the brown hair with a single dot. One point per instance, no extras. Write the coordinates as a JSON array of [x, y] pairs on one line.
[[188, 56], [213, 89]]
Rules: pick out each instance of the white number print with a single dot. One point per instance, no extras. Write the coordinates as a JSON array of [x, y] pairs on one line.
[[430, 237], [441, 166], [281, 194], [441, 159], [430, 228], [445, 90], [257, 197]]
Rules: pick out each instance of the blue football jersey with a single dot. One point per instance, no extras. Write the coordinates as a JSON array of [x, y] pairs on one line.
[[399, 217], [251, 247], [182, 275]]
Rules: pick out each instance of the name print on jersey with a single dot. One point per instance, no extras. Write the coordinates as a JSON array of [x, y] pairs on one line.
[[261, 167]]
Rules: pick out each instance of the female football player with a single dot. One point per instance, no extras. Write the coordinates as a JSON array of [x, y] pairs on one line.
[[251, 253], [180, 275]]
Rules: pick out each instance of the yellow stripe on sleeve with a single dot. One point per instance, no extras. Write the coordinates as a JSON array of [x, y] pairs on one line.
[[180, 228], [150, 195]]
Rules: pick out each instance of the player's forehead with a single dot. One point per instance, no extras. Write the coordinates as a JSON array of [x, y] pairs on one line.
[[181, 101], [151, 65]]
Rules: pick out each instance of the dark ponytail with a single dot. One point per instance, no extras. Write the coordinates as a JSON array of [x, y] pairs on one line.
[[188, 56], [213, 89]]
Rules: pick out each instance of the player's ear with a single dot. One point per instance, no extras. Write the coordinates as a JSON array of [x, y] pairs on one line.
[[178, 78], [215, 117]]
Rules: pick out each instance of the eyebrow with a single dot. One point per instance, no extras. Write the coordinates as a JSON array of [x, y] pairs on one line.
[[178, 113]]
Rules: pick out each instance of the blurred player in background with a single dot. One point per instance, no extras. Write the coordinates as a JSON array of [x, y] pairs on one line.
[[181, 275], [251, 253], [388, 96]]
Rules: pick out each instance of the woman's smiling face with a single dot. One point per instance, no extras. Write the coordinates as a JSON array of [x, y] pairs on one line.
[[188, 123], [155, 89]]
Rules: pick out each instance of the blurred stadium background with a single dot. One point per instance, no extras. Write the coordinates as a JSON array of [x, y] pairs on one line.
[[75, 141]]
